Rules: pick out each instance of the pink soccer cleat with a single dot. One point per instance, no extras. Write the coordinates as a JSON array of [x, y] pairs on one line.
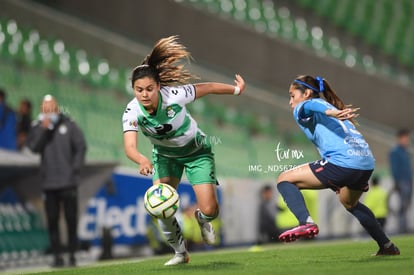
[[308, 230]]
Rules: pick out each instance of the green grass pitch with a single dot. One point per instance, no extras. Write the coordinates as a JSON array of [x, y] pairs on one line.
[[304, 257]]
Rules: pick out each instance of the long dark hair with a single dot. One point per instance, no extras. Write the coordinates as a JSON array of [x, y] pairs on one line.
[[163, 63], [319, 86]]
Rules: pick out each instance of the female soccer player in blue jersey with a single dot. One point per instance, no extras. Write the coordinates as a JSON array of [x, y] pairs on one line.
[[158, 110], [346, 165]]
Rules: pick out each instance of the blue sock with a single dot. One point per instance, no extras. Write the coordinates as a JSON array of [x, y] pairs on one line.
[[294, 200], [368, 221]]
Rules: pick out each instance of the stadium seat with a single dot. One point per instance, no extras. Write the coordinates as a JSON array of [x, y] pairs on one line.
[[383, 24]]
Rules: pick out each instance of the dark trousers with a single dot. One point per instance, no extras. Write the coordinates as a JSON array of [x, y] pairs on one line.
[[55, 200], [405, 190]]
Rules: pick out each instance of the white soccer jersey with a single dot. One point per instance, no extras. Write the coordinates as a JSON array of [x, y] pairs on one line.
[[172, 126]]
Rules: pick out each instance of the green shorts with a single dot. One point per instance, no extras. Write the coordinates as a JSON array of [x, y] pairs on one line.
[[199, 167]]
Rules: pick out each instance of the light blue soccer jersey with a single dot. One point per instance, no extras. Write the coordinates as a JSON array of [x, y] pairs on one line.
[[338, 141]]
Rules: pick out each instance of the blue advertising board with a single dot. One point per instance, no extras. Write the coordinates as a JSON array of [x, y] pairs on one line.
[[119, 206]]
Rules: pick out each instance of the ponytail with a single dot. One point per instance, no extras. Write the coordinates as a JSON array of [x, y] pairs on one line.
[[163, 63], [331, 97]]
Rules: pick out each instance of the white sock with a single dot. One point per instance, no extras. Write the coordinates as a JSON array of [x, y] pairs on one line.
[[204, 218], [172, 233], [309, 220]]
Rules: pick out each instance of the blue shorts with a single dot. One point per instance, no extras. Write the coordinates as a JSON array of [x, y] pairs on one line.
[[336, 177]]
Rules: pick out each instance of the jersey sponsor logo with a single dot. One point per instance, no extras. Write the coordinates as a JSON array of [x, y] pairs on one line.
[[356, 142], [174, 92], [163, 129], [359, 153], [153, 129]]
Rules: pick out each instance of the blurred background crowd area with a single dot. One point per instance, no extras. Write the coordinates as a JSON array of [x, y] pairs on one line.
[[85, 58]]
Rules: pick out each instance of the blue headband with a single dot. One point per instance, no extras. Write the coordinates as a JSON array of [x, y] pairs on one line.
[[318, 79], [321, 86]]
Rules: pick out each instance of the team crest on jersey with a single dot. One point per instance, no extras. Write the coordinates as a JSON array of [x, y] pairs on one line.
[[170, 112]]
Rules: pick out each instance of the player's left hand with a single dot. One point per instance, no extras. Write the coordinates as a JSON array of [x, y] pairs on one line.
[[240, 83]]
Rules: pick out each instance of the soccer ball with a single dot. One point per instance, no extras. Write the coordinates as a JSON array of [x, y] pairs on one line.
[[161, 201]]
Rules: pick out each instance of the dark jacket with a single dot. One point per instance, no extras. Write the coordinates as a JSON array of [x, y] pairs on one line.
[[62, 152], [400, 162]]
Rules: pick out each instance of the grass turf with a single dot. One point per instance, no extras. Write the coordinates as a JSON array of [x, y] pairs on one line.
[[306, 257]]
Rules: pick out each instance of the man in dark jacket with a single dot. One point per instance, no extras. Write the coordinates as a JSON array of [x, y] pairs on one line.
[[62, 146], [401, 170], [267, 215]]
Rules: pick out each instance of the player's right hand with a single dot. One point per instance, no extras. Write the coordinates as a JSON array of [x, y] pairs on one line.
[[145, 168], [45, 122]]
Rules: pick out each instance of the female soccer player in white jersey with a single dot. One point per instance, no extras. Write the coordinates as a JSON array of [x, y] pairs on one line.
[[158, 110], [346, 165]]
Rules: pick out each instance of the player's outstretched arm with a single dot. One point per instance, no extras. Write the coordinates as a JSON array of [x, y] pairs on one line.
[[130, 147], [203, 89]]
